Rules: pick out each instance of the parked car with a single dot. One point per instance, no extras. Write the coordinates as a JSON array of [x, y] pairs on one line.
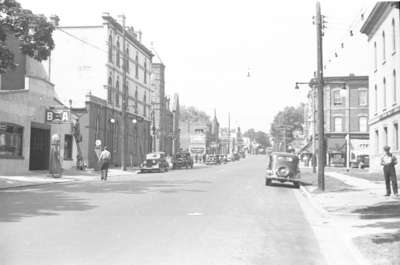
[[236, 156], [155, 162], [362, 161], [182, 159], [283, 167], [213, 160]]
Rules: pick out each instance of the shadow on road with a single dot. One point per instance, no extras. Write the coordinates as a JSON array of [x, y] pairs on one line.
[[282, 185], [49, 200]]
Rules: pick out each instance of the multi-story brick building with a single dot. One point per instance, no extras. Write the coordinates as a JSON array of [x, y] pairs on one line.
[[88, 65], [346, 117], [166, 125], [383, 30]]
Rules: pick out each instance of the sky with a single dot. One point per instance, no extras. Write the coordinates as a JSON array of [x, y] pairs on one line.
[[210, 46]]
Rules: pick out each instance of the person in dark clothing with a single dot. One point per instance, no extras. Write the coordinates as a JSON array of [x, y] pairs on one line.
[[388, 162]]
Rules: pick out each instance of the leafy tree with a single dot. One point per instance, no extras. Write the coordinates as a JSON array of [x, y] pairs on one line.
[[193, 114], [259, 137], [33, 32], [262, 139], [291, 118]]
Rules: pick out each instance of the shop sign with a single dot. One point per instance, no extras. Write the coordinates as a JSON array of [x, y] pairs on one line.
[[58, 115]]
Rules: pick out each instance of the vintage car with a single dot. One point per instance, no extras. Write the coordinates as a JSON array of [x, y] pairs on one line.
[[361, 161], [213, 160], [283, 167], [155, 162], [182, 159]]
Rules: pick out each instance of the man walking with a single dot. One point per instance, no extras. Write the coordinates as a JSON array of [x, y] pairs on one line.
[[104, 160], [388, 162]]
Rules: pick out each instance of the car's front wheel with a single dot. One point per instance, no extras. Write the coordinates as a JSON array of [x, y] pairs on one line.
[[267, 182]]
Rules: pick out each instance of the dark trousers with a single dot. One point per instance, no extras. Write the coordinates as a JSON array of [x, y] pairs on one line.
[[390, 176], [104, 170]]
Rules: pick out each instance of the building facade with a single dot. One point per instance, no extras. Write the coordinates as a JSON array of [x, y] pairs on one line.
[[26, 128], [346, 119], [164, 112], [98, 68], [382, 28]]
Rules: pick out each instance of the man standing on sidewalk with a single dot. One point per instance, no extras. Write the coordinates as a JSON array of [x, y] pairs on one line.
[[388, 162], [104, 160]]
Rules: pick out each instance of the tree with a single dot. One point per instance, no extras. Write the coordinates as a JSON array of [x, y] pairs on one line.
[[262, 139], [33, 32], [193, 114], [287, 121], [259, 137]]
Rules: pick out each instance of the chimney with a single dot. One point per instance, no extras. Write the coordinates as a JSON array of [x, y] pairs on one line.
[[131, 31], [54, 20], [140, 35]]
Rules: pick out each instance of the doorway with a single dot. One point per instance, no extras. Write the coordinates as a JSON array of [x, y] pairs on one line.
[[40, 148]]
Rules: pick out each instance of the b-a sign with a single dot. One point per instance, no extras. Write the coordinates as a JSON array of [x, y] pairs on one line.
[[58, 115]]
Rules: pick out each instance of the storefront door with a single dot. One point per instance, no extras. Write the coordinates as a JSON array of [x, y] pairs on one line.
[[40, 148]]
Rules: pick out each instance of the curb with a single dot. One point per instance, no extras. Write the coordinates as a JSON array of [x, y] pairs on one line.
[[354, 251]]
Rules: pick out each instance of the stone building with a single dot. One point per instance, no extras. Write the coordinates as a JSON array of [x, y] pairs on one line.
[[346, 117], [88, 65], [26, 99], [382, 28], [164, 112]]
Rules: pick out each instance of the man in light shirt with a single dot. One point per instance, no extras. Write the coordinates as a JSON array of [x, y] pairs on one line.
[[104, 159], [388, 162]]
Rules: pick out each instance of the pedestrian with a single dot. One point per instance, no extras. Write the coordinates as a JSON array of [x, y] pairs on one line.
[[388, 162], [104, 160]]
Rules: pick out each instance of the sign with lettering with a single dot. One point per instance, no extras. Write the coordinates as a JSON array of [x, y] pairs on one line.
[[58, 115]]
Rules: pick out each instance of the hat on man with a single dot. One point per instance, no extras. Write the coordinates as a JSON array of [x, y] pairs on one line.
[[386, 148]]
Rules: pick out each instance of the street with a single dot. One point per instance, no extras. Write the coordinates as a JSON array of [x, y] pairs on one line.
[[210, 215]]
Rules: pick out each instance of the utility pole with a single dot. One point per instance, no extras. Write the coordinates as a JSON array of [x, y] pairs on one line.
[[314, 142], [124, 97], [320, 99]]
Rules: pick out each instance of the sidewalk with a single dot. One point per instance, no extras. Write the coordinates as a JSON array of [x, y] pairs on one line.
[[361, 212], [35, 178]]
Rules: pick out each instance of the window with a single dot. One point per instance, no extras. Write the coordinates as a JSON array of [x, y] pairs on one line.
[[376, 99], [393, 35], [363, 124], [109, 91], [110, 49], [375, 56], [376, 141], [383, 46], [394, 87], [136, 100], [118, 54], [363, 97], [68, 147], [145, 71], [385, 136], [337, 99], [384, 93], [11, 136], [127, 60], [338, 121], [137, 66], [117, 93], [396, 136], [144, 104]]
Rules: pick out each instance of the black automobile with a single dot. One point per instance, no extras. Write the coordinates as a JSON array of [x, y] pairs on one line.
[[182, 159], [155, 162], [213, 160], [283, 167]]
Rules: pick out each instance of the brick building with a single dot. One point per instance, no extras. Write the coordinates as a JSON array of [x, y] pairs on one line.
[[88, 66], [346, 116], [383, 30]]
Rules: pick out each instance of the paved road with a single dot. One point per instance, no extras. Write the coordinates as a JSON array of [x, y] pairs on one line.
[[213, 215]]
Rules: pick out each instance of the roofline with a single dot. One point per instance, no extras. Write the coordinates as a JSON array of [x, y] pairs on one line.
[[376, 13], [111, 20]]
